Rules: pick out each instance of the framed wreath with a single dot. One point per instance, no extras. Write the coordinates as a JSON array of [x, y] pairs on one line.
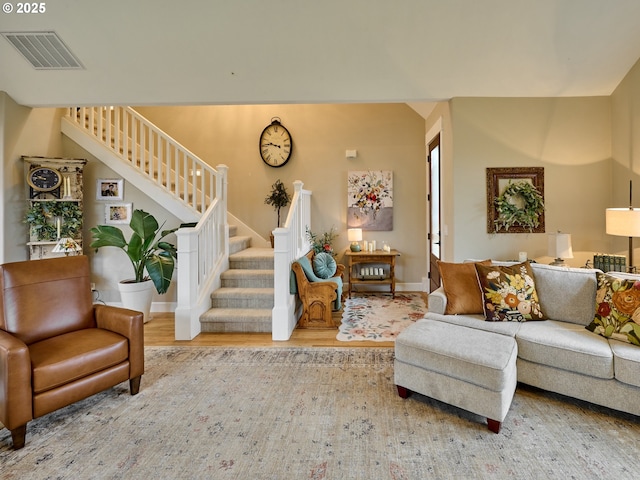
[[41, 218], [515, 200]]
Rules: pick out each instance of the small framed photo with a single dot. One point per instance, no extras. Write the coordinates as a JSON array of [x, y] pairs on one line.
[[118, 213], [110, 189]]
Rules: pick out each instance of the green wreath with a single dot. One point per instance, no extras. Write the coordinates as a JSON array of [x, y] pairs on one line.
[[511, 214], [41, 219]]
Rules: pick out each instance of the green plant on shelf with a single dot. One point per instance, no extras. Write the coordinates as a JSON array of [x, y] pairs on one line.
[[43, 219]]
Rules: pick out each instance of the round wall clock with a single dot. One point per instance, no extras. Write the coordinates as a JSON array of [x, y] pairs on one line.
[[44, 179], [275, 144]]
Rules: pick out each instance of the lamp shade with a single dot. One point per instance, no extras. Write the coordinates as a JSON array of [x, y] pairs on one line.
[[559, 245], [66, 245], [624, 222], [354, 234]]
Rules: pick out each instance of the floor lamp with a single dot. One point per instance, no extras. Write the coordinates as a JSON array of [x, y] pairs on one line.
[[624, 222]]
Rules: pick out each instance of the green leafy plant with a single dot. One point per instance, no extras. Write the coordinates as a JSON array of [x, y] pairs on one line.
[[278, 198], [145, 248], [322, 242], [41, 220], [520, 204]]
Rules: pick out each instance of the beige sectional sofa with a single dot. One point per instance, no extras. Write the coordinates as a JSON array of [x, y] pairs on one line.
[[558, 354]]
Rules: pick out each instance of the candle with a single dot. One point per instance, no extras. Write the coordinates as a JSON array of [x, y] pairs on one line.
[[58, 226]]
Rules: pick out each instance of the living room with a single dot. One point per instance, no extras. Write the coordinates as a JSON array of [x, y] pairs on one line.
[[586, 143]]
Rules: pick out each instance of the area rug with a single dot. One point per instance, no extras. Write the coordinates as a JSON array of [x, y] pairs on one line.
[[311, 413], [379, 318]]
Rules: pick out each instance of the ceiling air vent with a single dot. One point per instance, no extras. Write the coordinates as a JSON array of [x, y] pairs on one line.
[[44, 50]]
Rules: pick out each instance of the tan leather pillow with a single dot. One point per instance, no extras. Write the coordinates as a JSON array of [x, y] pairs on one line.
[[460, 284]]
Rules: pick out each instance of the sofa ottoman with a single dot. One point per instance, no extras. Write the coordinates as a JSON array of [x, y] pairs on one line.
[[467, 368]]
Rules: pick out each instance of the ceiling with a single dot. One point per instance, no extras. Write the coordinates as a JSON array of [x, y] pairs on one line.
[[157, 52]]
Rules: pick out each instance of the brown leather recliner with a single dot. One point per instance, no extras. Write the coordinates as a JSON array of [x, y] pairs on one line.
[[56, 346]]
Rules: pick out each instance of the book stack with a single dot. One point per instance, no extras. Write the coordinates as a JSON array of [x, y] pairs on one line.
[[610, 263]]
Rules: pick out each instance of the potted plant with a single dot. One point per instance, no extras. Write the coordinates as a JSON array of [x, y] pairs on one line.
[[278, 198], [147, 252]]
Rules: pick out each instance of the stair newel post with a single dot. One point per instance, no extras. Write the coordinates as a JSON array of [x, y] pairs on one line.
[[289, 241], [187, 319], [281, 296]]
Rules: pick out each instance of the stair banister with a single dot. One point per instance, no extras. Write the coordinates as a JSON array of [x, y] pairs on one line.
[[188, 187], [290, 243], [150, 151], [203, 254]]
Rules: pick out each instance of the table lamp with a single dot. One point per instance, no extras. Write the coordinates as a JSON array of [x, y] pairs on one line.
[[66, 245], [559, 247], [624, 222], [354, 235]]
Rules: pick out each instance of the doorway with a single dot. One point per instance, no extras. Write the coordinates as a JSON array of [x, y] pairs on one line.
[[433, 207]]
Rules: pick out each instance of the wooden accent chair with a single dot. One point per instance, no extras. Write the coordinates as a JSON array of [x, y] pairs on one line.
[[56, 347], [319, 296]]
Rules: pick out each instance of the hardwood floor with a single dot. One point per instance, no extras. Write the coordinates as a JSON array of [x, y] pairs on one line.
[[159, 331]]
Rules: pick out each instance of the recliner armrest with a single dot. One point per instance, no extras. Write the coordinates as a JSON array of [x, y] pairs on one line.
[[128, 323], [15, 382]]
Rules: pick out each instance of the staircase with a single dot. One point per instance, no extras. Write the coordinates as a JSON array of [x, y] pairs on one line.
[[244, 302]]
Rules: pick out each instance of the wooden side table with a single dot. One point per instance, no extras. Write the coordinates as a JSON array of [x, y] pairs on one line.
[[357, 261]]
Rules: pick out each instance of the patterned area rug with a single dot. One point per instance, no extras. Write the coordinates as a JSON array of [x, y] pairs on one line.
[[379, 318], [310, 413]]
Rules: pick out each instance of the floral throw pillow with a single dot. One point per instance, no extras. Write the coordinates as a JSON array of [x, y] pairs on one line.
[[509, 293], [617, 309]]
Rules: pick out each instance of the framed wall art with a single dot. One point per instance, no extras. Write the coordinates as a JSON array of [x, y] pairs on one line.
[[370, 200], [118, 213], [110, 189], [515, 200]]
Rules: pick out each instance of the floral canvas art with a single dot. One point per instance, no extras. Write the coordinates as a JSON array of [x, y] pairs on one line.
[[370, 200]]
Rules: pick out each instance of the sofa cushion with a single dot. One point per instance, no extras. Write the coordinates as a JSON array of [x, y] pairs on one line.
[[566, 294], [324, 265], [617, 312], [626, 361], [460, 284], [477, 322], [509, 293], [566, 346]]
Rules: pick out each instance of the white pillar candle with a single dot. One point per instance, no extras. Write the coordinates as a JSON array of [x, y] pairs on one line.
[[58, 226], [522, 256]]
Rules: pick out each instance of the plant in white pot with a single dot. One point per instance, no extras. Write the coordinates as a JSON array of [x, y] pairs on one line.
[[153, 259]]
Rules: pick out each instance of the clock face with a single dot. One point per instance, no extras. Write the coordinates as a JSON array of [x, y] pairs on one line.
[[44, 179], [275, 145]]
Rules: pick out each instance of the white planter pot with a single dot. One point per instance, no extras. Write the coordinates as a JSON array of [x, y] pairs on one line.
[[137, 296]]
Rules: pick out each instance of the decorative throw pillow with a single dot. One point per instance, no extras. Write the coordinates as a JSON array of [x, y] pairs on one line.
[[617, 309], [509, 293], [324, 265], [460, 285]]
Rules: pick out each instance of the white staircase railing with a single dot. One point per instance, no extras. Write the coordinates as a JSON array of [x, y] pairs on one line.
[[290, 243], [203, 254], [150, 151], [203, 250]]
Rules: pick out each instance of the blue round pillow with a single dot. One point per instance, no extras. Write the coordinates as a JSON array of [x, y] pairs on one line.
[[324, 265]]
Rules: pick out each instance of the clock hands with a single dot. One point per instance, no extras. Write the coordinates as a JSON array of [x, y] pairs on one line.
[[271, 144]]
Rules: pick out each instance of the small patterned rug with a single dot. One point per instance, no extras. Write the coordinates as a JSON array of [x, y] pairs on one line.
[[379, 318]]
